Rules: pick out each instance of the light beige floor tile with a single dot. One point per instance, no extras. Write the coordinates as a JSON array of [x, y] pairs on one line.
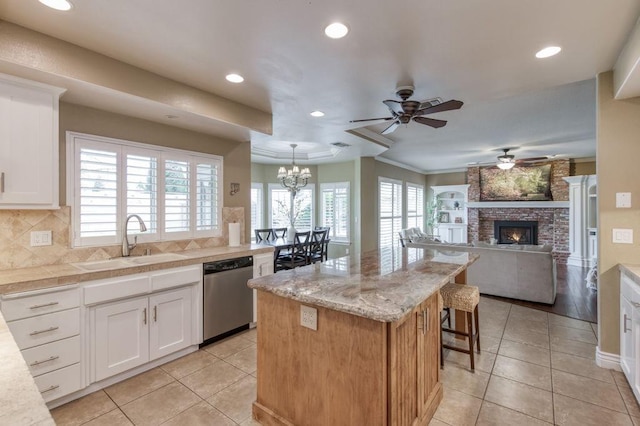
[[228, 347], [250, 422], [520, 397], [573, 347], [528, 313], [580, 366], [463, 380], [458, 408], [492, 328], [251, 334], [137, 386], [525, 352], [518, 323], [201, 414], [571, 412], [635, 421], [525, 336], [523, 372], [588, 390], [160, 405], [629, 398], [245, 360], [84, 409], [569, 322], [212, 379], [189, 364], [495, 415], [112, 418], [594, 327], [436, 422], [484, 360], [585, 336], [236, 400]]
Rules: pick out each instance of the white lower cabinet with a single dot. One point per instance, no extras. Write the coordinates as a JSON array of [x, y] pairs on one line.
[[133, 332], [630, 331], [262, 266]]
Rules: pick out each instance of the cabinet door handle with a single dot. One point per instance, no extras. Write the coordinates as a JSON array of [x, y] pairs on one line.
[[260, 270], [635, 304], [155, 313], [624, 326], [424, 321], [144, 316], [44, 305], [1, 182], [34, 333], [51, 358], [426, 318], [50, 388]]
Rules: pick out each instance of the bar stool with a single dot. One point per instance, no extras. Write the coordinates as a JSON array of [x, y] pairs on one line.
[[460, 297]]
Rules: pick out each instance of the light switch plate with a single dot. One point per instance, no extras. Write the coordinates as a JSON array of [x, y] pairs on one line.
[[41, 238], [622, 236], [309, 317], [623, 200]]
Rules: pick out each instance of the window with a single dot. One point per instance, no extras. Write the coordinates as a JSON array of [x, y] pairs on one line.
[[257, 221], [335, 209], [390, 211], [279, 201], [176, 193], [415, 206]]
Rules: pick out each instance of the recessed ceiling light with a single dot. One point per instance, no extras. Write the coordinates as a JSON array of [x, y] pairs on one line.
[[317, 114], [235, 78], [548, 51], [57, 4], [336, 30]]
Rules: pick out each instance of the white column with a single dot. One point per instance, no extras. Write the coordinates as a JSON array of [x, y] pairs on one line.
[[578, 215]]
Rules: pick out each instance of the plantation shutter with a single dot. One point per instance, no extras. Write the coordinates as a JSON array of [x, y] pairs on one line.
[[390, 211], [176, 196], [141, 198], [206, 196], [98, 191]]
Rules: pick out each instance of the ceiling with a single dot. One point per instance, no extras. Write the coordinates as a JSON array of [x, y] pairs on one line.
[[481, 53]]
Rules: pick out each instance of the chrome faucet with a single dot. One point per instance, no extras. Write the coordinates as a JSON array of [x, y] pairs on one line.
[[126, 247]]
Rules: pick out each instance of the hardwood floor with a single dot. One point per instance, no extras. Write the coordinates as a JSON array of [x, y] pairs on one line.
[[573, 299]]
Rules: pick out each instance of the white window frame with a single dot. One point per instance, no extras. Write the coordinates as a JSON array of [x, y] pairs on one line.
[[413, 213], [75, 140], [261, 213], [394, 233], [332, 232], [272, 186]]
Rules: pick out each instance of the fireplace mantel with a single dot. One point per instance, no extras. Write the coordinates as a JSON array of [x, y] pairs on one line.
[[519, 205]]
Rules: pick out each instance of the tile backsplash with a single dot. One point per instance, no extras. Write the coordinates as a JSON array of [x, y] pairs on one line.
[[15, 239]]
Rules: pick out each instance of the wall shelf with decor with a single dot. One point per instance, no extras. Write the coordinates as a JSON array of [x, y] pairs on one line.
[[451, 212]]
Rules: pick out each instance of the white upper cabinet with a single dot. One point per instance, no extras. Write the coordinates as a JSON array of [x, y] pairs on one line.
[[28, 144]]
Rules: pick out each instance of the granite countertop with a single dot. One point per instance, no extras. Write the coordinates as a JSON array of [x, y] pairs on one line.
[[633, 271], [383, 285], [20, 400], [25, 279]]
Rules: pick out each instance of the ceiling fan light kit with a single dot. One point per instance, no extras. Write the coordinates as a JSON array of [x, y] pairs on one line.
[[402, 112], [506, 161]]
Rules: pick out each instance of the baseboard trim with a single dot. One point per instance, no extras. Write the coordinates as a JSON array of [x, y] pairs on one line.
[[607, 360]]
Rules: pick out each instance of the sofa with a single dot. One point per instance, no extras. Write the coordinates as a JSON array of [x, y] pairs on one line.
[[521, 272]]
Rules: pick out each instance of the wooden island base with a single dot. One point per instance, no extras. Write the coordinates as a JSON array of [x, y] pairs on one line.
[[351, 371]]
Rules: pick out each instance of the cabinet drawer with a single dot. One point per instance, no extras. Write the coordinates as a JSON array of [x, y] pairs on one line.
[[30, 332], [116, 288], [52, 356], [59, 383], [176, 277], [25, 305]]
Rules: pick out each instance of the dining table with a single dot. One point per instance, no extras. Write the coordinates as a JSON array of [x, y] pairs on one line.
[[283, 244]]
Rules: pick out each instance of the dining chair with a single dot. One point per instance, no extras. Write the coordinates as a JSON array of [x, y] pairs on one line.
[[297, 256], [327, 230], [279, 233], [263, 234], [316, 246]]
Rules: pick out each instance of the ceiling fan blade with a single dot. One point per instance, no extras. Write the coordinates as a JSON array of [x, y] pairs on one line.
[[532, 159], [371, 119], [430, 122], [394, 106], [445, 106], [391, 128]]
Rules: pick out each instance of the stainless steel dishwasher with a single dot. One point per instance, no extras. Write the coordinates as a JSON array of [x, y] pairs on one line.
[[228, 302]]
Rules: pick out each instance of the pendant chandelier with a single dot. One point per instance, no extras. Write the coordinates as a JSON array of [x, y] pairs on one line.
[[293, 179]]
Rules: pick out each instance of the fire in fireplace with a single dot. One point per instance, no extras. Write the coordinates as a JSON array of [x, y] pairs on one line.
[[516, 231]]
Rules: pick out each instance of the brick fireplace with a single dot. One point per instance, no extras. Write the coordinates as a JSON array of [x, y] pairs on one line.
[[552, 217]]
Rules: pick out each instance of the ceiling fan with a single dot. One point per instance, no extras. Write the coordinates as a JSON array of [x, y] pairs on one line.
[[403, 111], [506, 161]]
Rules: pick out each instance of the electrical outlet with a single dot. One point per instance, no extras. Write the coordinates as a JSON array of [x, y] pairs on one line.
[[623, 200], [309, 317], [41, 238]]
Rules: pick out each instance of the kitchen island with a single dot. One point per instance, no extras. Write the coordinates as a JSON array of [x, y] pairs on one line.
[[373, 357]]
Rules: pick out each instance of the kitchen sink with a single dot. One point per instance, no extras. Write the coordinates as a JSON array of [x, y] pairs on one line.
[[156, 258], [99, 265]]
